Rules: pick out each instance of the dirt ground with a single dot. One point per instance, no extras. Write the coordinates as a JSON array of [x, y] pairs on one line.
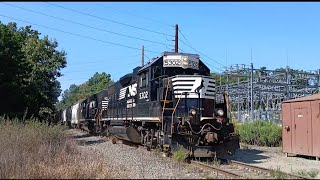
[[274, 158]]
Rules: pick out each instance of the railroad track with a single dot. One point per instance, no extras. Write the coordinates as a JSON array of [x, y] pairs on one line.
[[240, 170], [232, 169]]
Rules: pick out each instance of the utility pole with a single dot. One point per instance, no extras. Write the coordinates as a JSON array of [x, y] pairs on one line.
[[176, 40], [251, 93], [142, 58]]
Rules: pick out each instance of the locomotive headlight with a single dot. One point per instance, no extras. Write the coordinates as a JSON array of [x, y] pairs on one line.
[[193, 112], [220, 112]]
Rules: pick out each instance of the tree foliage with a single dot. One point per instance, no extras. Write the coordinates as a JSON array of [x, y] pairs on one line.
[[75, 93], [29, 68]]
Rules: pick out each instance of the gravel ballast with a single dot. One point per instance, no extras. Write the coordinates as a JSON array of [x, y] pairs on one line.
[[135, 162]]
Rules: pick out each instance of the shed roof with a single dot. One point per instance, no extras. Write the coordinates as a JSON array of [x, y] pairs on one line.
[[306, 98]]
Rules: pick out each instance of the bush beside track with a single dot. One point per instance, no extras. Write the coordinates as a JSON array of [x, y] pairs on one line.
[[261, 133]]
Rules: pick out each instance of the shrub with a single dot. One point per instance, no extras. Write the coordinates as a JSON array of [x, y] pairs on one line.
[[261, 133]]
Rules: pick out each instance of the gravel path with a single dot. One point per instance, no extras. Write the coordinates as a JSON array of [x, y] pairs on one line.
[[125, 161]]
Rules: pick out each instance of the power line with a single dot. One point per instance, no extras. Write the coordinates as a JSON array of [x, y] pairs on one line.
[[207, 62], [84, 24], [99, 61], [189, 45], [99, 67], [86, 37], [197, 50], [142, 17], [181, 50], [124, 24]]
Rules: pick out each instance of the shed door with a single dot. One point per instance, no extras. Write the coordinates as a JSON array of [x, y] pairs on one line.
[[286, 128], [301, 130]]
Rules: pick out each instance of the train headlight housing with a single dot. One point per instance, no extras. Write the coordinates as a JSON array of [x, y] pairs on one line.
[[220, 112], [193, 112]]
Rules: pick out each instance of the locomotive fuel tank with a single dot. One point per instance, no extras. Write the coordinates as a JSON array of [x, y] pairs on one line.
[[126, 133]]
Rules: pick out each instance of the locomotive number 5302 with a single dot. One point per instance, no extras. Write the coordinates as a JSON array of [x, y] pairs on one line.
[[143, 95]]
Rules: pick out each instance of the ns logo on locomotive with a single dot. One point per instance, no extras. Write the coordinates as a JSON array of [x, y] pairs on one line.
[[169, 102]]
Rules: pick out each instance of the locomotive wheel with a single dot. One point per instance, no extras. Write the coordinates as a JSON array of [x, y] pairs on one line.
[[188, 160], [114, 140]]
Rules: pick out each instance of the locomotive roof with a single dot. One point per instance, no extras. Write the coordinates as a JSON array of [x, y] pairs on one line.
[[165, 54], [149, 64]]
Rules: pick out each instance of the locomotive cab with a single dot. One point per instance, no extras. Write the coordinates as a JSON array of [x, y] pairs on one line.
[[197, 123]]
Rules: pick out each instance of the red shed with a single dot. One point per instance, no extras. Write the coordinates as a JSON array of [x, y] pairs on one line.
[[301, 126]]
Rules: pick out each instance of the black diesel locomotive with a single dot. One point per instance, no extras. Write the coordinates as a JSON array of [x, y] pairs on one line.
[[169, 102]]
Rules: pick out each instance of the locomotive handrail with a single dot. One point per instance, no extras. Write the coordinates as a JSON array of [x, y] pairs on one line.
[[175, 108], [164, 104], [164, 76]]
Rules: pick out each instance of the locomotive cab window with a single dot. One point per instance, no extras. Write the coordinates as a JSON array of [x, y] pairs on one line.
[[83, 105], [143, 80]]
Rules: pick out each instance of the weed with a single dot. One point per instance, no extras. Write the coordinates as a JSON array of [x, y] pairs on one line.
[[312, 173], [209, 177], [33, 150], [180, 154], [302, 173], [276, 173], [216, 162]]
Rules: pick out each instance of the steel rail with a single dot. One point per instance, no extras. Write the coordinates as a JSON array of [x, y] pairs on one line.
[[261, 169], [218, 170]]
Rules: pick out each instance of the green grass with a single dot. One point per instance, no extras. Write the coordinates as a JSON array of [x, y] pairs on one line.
[[179, 154]]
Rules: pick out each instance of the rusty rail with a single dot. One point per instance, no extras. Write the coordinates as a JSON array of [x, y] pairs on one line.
[[238, 175], [261, 169], [218, 170]]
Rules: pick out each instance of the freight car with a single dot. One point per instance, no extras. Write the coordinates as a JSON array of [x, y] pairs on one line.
[[169, 102]]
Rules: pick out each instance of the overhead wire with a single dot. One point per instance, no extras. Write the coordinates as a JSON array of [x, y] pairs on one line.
[[109, 20], [86, 37], [100, 66], [130, 13], [189, 45], [92, 27], [102, 60]]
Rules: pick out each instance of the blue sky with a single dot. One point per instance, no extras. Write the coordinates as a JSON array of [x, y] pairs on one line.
[[278, 33]]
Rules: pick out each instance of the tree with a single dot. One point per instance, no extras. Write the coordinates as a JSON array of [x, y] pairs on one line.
[[75, 93], [29, 68]]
